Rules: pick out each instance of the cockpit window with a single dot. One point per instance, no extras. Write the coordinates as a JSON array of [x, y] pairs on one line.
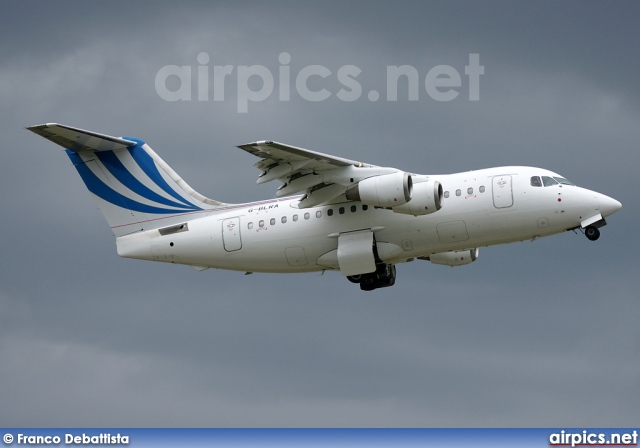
[[549, 181], [564, 181]]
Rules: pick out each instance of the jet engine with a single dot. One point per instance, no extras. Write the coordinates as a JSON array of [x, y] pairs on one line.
[[388, 190], [426, 199], [456, 258]]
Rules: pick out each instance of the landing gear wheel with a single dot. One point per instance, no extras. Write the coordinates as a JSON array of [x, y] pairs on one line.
[[354, 278], [384, 275], [367, 286], [592, 233]]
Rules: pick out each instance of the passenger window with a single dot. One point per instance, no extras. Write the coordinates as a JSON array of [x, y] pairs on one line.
[[307, 216], [481, 189], [261, 223], [273, 221], [535, 181], [365, 207], [341, 210], [549, 181], [330, 212], [318, 214], [353, 209], [250, 226], [469, 190], [295, 218], [458, 192], [284, 219], [446, 194]]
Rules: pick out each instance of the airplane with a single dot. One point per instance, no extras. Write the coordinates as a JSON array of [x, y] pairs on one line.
[[329, 214]]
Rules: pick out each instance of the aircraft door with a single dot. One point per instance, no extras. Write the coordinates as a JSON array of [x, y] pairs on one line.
[[502, 192], [231, 234]]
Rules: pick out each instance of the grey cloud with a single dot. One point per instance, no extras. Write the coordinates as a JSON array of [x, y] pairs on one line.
[[538, 334]]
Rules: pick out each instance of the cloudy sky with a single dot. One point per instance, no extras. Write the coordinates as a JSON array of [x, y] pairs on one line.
[[532, 334]]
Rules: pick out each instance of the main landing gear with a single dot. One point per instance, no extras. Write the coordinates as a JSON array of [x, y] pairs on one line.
[[384, 275]]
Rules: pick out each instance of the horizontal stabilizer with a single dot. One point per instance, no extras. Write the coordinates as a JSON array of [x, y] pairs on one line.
[[77, 140]]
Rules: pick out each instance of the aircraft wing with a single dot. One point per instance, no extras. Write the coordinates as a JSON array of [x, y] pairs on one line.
[[322, 177], [279, 152]]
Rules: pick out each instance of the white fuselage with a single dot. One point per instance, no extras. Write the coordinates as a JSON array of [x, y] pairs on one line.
[[481, 208]]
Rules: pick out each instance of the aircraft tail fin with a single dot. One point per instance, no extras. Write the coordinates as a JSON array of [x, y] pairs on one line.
[[135, 189]]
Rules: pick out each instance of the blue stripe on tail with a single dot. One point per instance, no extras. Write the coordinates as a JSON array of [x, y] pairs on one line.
[[118, 170], [103, 191], [146, 163]]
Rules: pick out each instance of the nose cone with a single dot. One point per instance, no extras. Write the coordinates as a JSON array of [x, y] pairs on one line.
[[608, 206]]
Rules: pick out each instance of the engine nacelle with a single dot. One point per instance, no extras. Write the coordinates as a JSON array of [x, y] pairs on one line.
[[456, 258], [426, 198], [388, 190]]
